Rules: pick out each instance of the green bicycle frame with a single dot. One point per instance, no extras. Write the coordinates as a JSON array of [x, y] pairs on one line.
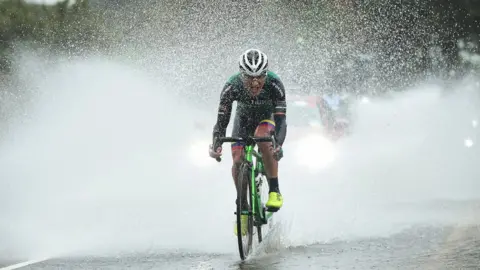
[[256, 167], [259, 212]]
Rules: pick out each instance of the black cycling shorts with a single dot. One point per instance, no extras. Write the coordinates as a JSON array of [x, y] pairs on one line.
[[246, 126]]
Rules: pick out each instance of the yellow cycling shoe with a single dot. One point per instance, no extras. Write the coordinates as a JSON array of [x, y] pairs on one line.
[[244, 225], [275, 201]]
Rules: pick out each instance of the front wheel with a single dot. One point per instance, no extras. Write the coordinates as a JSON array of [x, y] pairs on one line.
[[262, 193], [244, 207]]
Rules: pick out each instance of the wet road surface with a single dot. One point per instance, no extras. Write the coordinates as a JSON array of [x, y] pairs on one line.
[[454, 247]]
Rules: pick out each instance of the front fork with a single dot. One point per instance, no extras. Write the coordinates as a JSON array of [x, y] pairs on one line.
[[258, 173], [257, 170]]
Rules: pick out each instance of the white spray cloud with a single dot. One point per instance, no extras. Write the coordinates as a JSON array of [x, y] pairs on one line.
[[101, 167]]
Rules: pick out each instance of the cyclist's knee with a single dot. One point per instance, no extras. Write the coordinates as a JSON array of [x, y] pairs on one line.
[[237, 153], [263, 130]]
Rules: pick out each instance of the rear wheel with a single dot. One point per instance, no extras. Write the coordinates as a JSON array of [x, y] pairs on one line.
[[244, 206]]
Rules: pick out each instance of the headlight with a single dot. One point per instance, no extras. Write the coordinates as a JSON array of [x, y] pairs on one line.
[[468, 142], [198, 154], [315, 152], [314, 124], [365, 100]]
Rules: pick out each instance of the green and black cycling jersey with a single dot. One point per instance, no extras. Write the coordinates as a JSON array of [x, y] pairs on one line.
[[270, 103]]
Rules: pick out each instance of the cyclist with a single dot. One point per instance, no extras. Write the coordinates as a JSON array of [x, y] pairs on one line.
[[331, 107], [261, 107]]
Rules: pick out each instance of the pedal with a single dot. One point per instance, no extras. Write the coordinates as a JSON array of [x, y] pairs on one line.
[[273, 210]]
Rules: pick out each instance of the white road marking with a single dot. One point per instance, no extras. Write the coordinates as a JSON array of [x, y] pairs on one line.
[[18, 265]]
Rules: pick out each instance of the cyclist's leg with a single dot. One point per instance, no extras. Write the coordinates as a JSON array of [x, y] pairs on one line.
[[324, 114], [263, 130], [271, 165], [241, 128]]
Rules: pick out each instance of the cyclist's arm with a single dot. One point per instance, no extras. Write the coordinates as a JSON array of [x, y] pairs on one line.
[[280, 113], [224, 111]]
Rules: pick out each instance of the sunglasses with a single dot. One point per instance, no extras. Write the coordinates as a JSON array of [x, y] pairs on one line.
[[249, 77]]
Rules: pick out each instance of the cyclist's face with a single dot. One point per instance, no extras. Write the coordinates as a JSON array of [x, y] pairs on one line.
[[254, 84]]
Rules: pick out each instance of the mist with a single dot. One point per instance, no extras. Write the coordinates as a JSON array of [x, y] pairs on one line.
[[95, 159], [102, 167], [405, 165]]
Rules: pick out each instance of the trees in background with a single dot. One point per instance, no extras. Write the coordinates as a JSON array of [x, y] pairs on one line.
[[405, 39], [403, 34], [63, 27]]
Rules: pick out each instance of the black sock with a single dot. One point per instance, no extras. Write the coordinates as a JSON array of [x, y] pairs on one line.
[[273, 184]]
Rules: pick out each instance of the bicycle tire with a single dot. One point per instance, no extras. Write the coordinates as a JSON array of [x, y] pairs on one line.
[[244, 179], [261, 200], [259, 234]]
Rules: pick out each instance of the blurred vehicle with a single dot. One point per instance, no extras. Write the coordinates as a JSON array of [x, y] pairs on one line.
[[306, 139]]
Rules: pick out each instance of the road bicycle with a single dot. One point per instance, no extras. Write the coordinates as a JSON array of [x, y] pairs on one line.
[[251, 176]]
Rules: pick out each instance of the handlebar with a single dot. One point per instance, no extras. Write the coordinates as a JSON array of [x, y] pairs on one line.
[[250, 140]]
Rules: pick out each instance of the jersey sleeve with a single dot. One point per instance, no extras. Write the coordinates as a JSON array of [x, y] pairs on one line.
[[280, 112], [227, 97]]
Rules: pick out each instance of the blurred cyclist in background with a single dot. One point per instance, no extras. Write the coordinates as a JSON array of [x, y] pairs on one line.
[[334, 112]]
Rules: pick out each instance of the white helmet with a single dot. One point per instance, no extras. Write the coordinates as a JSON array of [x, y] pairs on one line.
[[253, 62]]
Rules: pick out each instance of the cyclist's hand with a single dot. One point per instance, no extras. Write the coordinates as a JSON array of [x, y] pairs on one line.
[[215, 154], [278, 153]]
